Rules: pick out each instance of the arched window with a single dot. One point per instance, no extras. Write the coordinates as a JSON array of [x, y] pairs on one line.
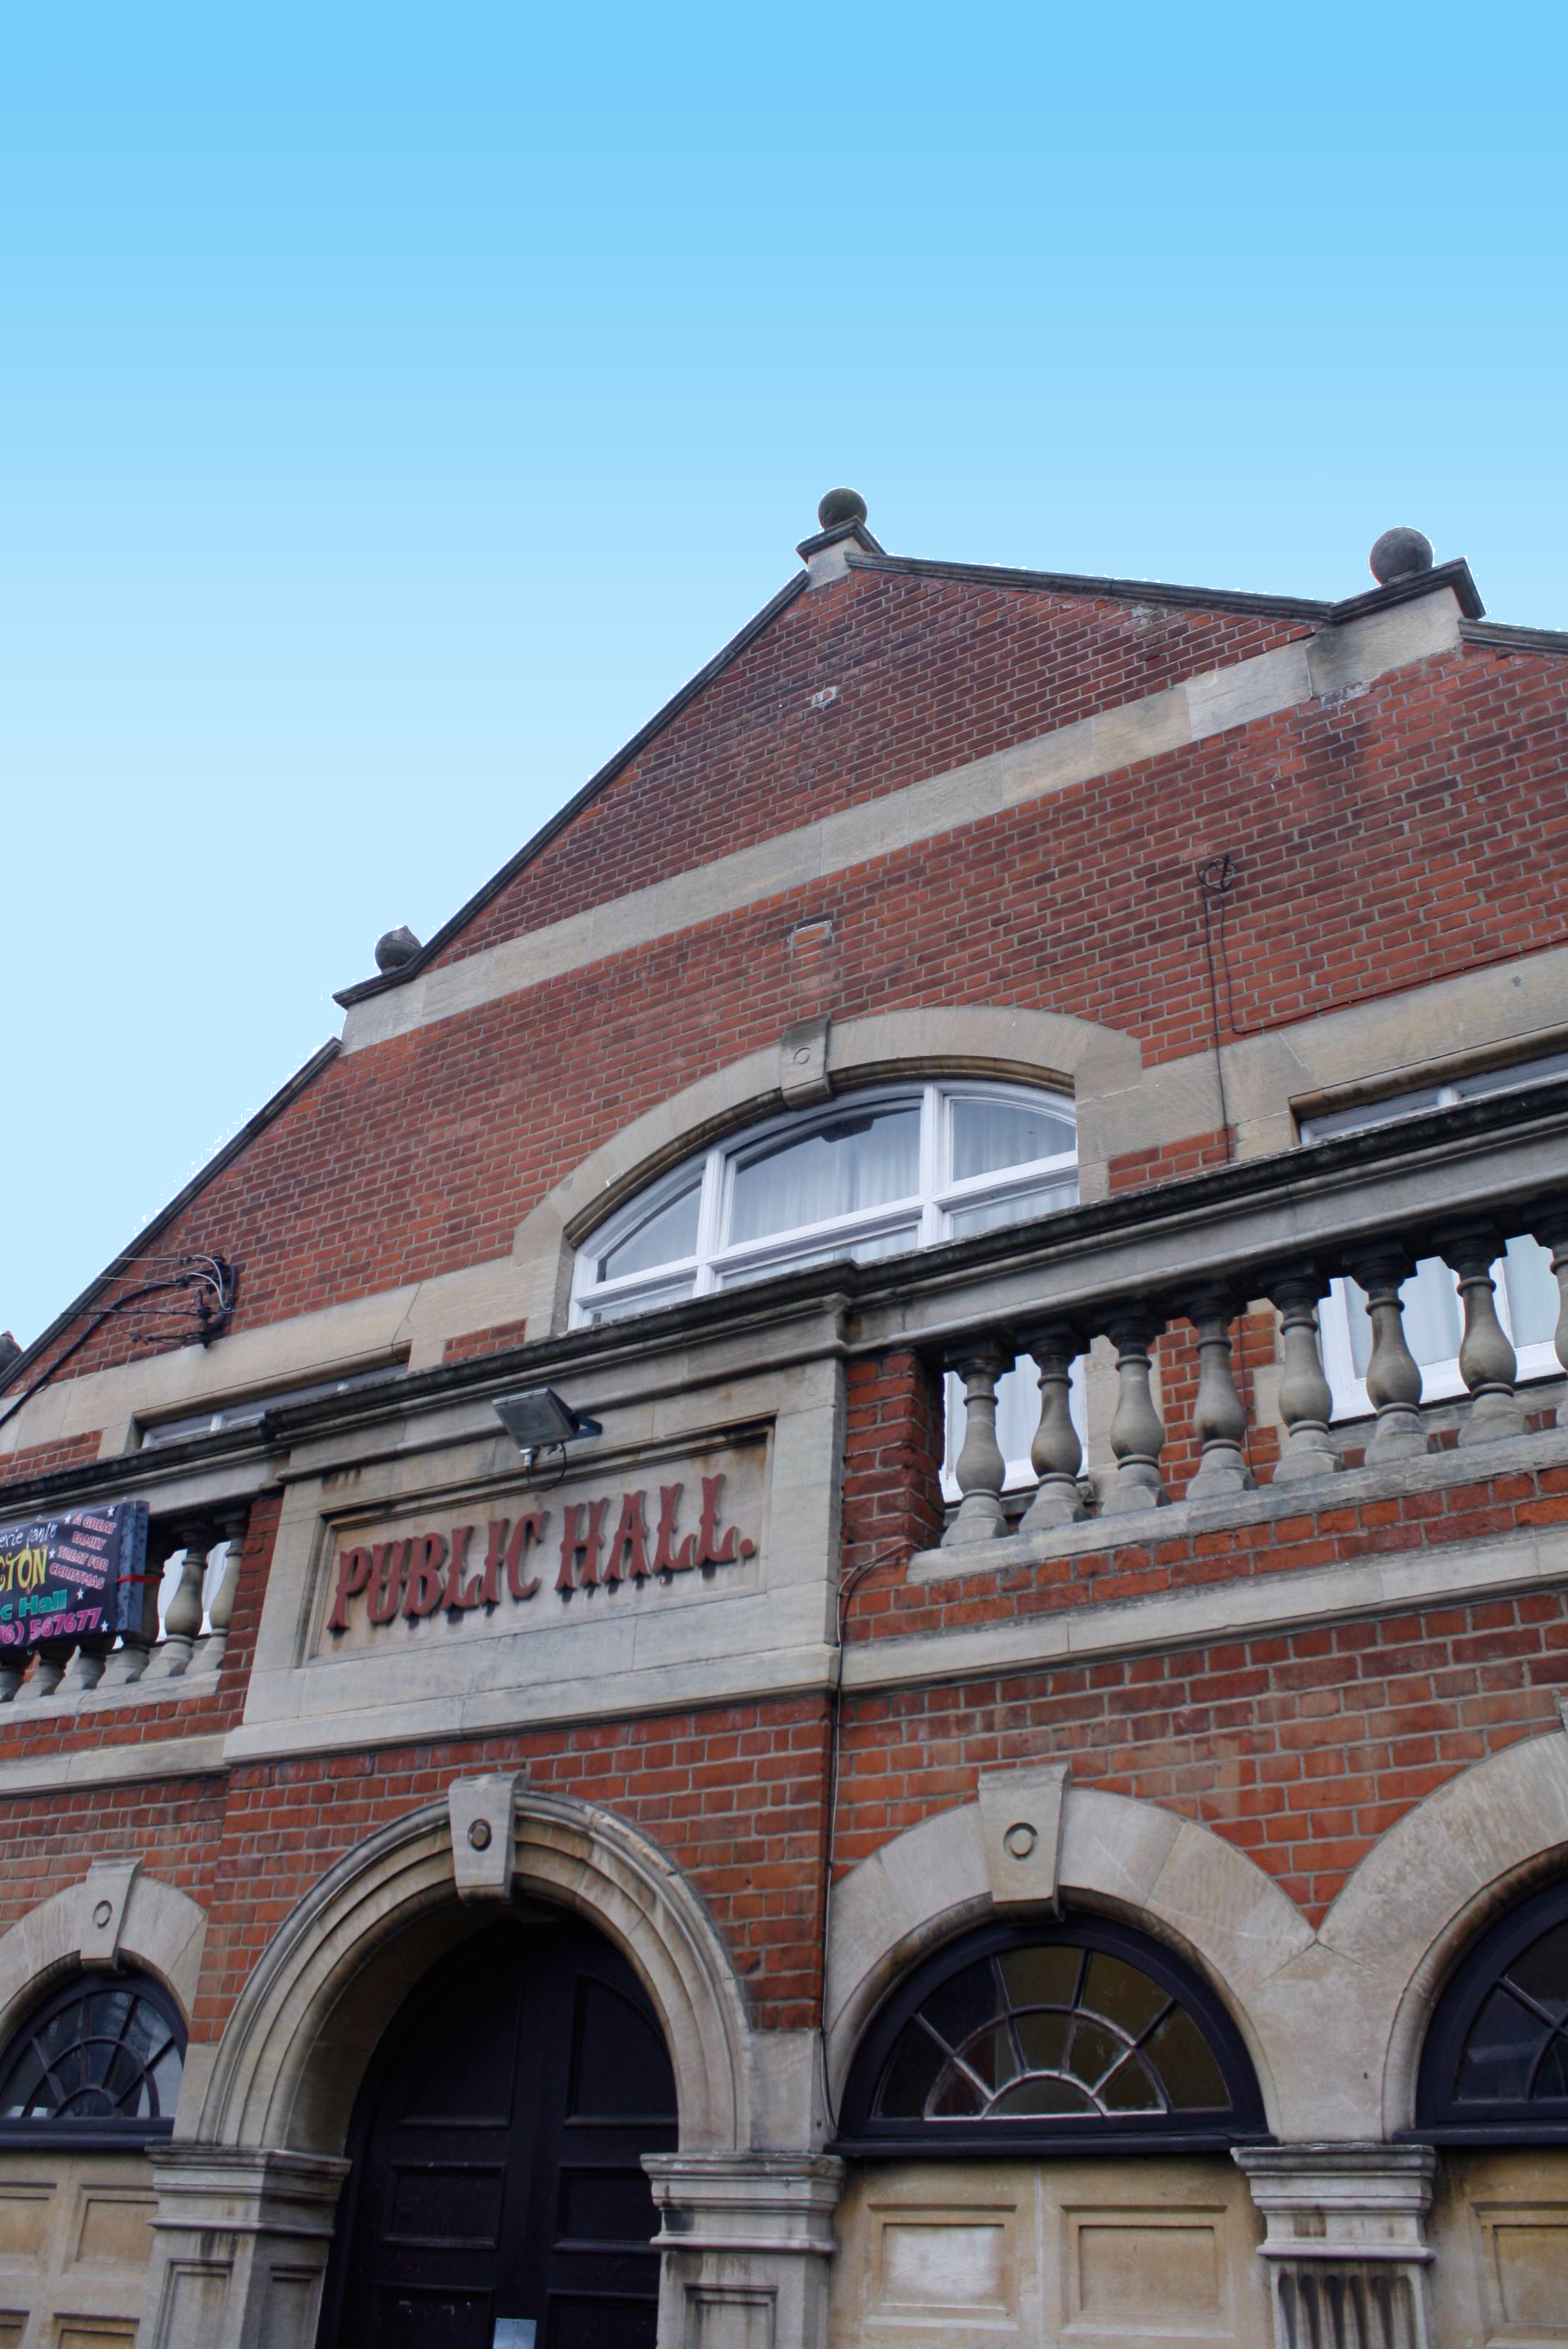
[[1081, 2036], [875, 1174], [101, 2056], [1495, 2063]]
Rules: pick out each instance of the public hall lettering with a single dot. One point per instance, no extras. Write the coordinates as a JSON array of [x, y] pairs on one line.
[[645, 1535]]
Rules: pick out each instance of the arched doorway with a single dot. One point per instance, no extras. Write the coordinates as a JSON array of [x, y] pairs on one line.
[[496, 2198]]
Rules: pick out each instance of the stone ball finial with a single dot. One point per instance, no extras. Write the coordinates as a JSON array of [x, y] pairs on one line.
[[395, 947], [1400, 553], [841, 506]]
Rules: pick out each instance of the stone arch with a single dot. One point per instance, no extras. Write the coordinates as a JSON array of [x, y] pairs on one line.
[[1463, 1855], [154, 1927], [1148, 1865], [974, 1039], [289, 2064]]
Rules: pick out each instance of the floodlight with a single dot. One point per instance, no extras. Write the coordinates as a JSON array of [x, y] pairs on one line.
[[539, 1416]]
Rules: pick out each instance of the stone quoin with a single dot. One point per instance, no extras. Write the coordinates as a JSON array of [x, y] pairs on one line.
[[902, 1677]]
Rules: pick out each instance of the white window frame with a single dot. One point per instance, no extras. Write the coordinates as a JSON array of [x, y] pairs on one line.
[[926, 1212], [1441, 1381]]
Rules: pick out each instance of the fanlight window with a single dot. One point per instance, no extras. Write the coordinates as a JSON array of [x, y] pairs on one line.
[[106, 2052], [1078, 2033], [872, 1177], [1495, 2065]]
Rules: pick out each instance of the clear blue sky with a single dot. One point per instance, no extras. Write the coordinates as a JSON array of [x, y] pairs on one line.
[[398, 403]]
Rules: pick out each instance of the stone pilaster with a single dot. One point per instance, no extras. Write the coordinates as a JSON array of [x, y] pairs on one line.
[[1346, 2242], [241, 2239], [748, 2240]]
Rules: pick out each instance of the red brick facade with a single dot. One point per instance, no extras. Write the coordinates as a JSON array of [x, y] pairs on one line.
[[1396, 834]]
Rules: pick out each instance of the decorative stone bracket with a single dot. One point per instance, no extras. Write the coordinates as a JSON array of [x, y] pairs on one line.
[[1346, 2245], [101, 1908], [483, 1814], [1022, 1814]]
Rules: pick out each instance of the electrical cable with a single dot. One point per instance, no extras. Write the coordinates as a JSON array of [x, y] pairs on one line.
[[214, 1278]]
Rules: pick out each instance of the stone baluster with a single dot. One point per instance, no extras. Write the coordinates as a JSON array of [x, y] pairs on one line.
[[91, 1661], [53, 1655], [1219, 1414], [1056, 1453], [1393, 1374], [1136, 1430], [1552, 1232], [183, 1620], [1488, 1363], [1305, 1398], [979, 1467], [220, 1614], [13, 1664], [130, 1659]]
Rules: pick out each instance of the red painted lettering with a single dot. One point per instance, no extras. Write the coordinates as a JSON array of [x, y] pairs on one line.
[[352, 1574], [713, 1548], [427, 1583], [528, 1528], [628, 1551], [667, 1558], [388, 1564], [461, 1594], [580, 1548]]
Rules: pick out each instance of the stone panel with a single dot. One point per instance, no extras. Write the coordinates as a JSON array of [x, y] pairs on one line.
[[1113, 2254]]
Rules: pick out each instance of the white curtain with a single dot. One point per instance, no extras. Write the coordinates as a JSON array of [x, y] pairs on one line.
[[989, 1135], [854, 1164]]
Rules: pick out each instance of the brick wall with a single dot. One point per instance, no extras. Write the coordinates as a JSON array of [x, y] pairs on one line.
[[930, 673], [1302, 1749]]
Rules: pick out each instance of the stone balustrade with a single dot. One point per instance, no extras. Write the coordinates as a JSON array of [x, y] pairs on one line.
[[1295, 1288], [185, 1639]]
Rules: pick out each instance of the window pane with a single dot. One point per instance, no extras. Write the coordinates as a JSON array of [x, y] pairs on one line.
[[1496, 2061], [853, 1163], [1123, 1995], [1094, 2052], [1366, 1115], [1130, 2089], [1043, 2036], [1521, 1072], [957, 2008], [1041, 2095], [988, 1135], [912, 2069], [665, 1292], [1046, 1975], [959, 2099], [1531, 1286], [666, 1237], [1542, 1973], [1179, 2054], [990, 1217], [864, 1250]]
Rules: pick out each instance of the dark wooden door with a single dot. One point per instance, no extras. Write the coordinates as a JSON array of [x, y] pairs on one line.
[[496, 2147]]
